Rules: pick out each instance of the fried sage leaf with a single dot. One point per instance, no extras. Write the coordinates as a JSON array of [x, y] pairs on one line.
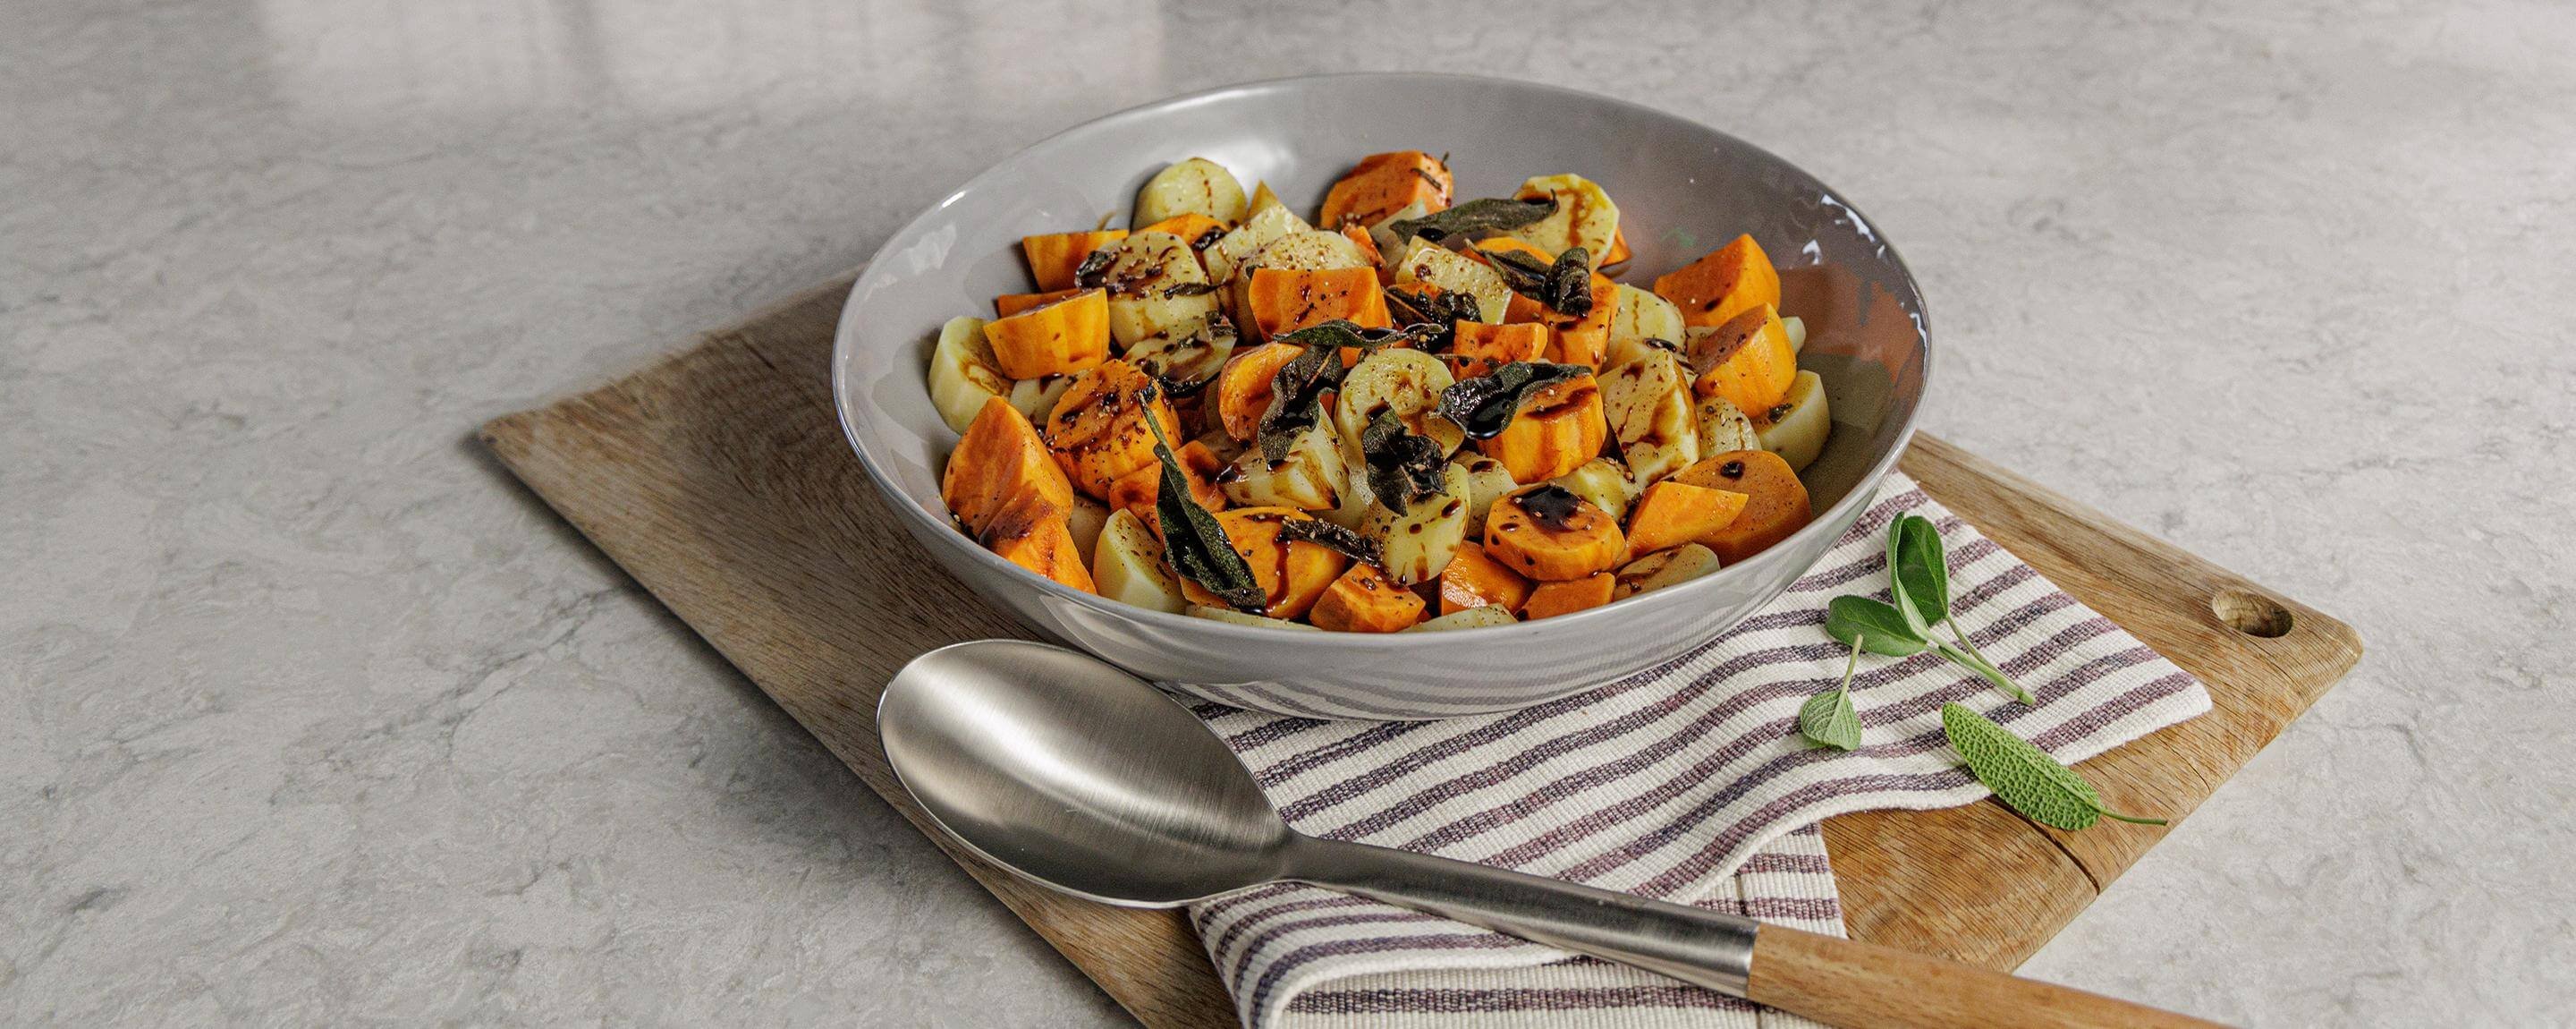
[[1491, 214], [1484, 405], [1195, 543], [1338, 333], [1565, 286], [1093, 272], [1326, 534], [1402, 467], [1297, 395], [1424, 307], [2024, 776], [1190, 363]]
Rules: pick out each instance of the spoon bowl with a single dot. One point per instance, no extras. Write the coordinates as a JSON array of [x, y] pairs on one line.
[[1077, 774], [1071, 772]]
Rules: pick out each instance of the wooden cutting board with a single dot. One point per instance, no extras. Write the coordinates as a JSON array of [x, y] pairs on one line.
[[719, 479]]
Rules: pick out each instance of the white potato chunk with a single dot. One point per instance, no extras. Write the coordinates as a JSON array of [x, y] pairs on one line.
[[1036, 397], [1648, 404], [1724, 428], [1798, 435], [1584, 216], [1085, 521], [1310, 478], [1430, 263], [1415, 545], [1404, 381], [1155, 286], [1663, 568], [1127, 565], [1487, 481], [963, 373], [1796, 327], [1637, 316], [1194, 186], [1186, 354], [1247, 239], [1601, 482]]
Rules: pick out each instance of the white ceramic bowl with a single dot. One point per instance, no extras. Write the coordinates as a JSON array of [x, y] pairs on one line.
[[1683, 189]]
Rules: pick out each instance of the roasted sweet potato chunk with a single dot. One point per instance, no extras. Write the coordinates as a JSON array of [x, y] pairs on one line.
[[1559, 427], [1732, 279], [1748, 361], [1775, 504], [1547, 533], [1672, 513], [1054, 257], [1283, 301], [1293, 573], [1099, 431], [1365, 600], [1474, 579], [1059, 338], [1568, 596], [1001, 461], [1243, 386], [1477, 348], [1382, 184]]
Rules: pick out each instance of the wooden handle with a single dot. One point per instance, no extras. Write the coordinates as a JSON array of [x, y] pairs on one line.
[[1859, 985]]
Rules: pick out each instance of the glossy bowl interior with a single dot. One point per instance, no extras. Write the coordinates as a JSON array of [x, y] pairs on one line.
[[1682, 189]]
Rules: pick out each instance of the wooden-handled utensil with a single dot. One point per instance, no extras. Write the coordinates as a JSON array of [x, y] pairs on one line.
[[1069, 771]]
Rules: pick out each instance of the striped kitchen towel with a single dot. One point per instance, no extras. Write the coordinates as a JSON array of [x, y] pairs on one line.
[[1686, 782]]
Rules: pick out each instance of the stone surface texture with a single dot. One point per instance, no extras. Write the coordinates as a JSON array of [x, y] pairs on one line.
[[309, 714]]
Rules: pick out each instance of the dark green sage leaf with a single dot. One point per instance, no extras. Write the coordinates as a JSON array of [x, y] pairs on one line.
[[1921, 567], [1326, 534], [1297, 395], [1195, 543], [1190, 364], [1093, 272], [1491, 214], [1565, 286], [1484, 405], [1339, 333], [2023, 775], [1871, 625], [1402, 467]]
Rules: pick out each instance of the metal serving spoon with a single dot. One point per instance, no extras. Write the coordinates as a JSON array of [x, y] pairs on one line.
[[1071, 772]]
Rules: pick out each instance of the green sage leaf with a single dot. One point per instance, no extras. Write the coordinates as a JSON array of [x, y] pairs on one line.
[[1872, 626], [1402, 467], [1484, 405], [2024, 776], [1328, 535], [1922, 568], [1490, 214], [1828, 719], [1195, 543], [1297, 396]]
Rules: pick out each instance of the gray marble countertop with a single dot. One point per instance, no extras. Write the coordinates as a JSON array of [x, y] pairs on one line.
[[308, 714]]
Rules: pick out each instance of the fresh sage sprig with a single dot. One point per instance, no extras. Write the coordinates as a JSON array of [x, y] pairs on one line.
[[2020, 774], [1828, 718], [2024, 776], [1919, 579]]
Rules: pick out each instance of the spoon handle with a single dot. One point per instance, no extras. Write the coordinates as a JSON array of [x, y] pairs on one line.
[[1839, 981]]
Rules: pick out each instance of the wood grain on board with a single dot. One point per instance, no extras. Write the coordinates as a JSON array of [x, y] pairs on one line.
[[718, 478]]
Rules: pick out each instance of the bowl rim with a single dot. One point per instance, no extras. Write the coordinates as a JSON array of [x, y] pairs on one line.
[[845, 406]]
